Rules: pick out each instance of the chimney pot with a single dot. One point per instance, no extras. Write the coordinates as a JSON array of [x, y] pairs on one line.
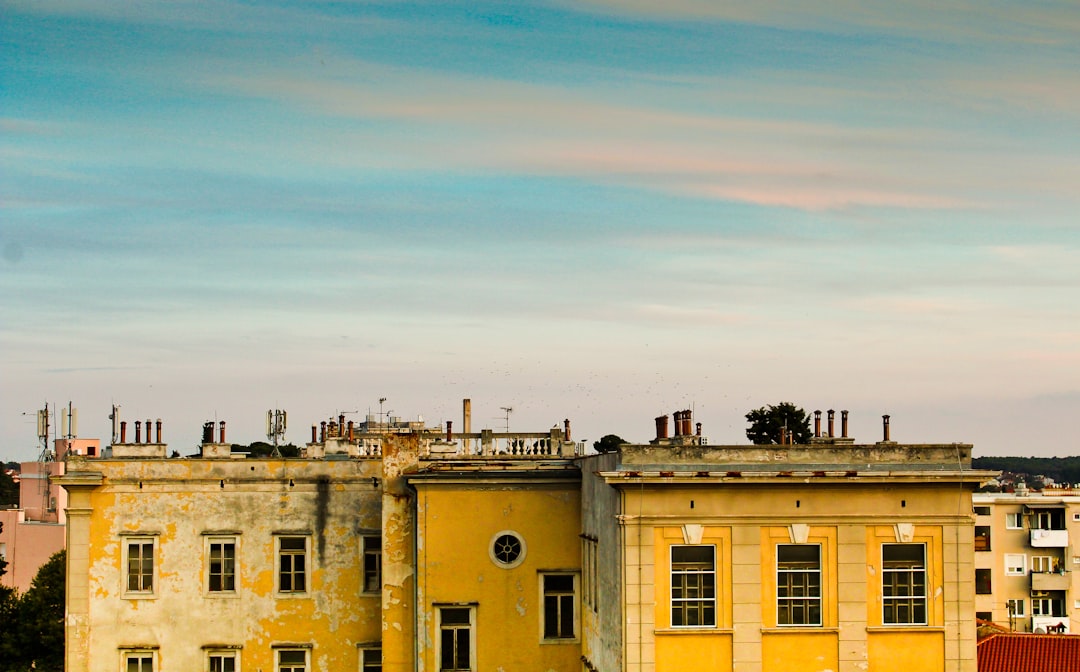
[[350, 431], [221, 427], [158, 430], [449, 431], [313, 435], [699, 429], [566, 429], [662, 427], [138, 431], [123, 431], [885, 426], [832, 414], [817, 424], [843, 424]]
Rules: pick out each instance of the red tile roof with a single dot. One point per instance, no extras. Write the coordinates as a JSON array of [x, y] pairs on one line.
[[1029, 653]]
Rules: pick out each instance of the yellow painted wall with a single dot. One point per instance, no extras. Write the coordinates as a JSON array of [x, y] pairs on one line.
[[909, 651], [931, 536], [685, 651], [800, 651], [823, 536], [456, 525]]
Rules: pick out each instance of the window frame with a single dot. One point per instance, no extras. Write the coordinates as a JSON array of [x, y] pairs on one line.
[[1014, 521], [988, 574], [442, 627], [981, 546], [494, 549], [373, 665], [1046, 561], [306, 571], [913, 599], [703, 602], [232, 654], [1018, 608], [142, 541], [371, 557], [291, 665], [807, 600], [127, 654], [211, 541], [561, 601], [1011, 566]]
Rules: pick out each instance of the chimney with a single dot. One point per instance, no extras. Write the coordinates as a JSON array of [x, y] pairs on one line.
[[699, 429], [123, 431], [148, 427], [832, 415], [138, 431], [350, 431], [783, 436], [322, 431], [677, 418], [885, 426], [661, 427], [466, 416], [566, 429], [843, 424], [313, 431], [158, 430], [221, 426], [341, 422], [208, 432], [817, 424], [449, 431]]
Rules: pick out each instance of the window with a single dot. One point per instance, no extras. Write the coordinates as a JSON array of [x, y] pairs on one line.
[[292, 564], [292, 660], [139, 661], [455, 638], [222, 662], [982, 582], [1047, 606], [140, 564], [372, 564], [222, 570], [507, 549], [1015, 607], [371, 660], [984, 615], [1042, 563], [982, 510], [903, 584], [588, 573], [1076, 517], [1014, 521], [1015, 564], [982, 537], [560, 597], [693, 586], [798, 584]]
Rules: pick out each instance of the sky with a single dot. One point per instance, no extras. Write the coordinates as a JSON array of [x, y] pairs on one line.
[[597, 210]]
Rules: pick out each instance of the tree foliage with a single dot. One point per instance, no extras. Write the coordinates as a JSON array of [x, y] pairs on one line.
[[9, 489], [608, 443], [264, 449], [1062, 469], [32, 625], [767, 423]]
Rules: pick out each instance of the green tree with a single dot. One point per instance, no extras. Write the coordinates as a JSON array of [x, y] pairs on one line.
[[608, 443], [40, 628], [767, 423], [9, 489]]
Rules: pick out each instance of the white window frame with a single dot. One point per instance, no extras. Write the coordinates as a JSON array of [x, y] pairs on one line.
[[573, 602], [471, 626], [913, 599], [679, 604], [1018, 608], [141, 654], [1042, 606], [367, 663], [279, 553], [234, 654], [211, 541], [1014, 521], [1042, 564], [806, 600], [291, 649], [1015, 564], [141, 541], [371, 550]]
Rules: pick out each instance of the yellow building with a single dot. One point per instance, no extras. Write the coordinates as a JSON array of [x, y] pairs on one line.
[[1027, 559], [399, 547], [828, 556]]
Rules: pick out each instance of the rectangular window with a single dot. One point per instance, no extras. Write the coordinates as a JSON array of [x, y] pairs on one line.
[[222, 662], [1015, 564], [982, 537], [798, 584], [693, 586], [292, 564], [140, 565], [982, 582], [1015, 607], [1014, 521], [222, 570], [292, 660], [903, 584], [1041, 606], [560, 597], [455, 638], [984, 615], [371, 660], [372, 564], [1042, 563], [142, 661], [982, 510], [588, 572]]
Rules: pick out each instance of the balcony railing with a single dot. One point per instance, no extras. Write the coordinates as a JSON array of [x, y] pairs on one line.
[[1051, 581], [1049, 538]]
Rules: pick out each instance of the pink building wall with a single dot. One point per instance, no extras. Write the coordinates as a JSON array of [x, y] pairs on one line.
[[27, 546]]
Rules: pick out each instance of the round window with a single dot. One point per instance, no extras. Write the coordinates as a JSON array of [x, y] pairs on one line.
[[507, 549]]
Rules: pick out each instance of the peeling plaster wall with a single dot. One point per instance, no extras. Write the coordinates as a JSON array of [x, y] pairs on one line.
[[600, 507], [179, 503]]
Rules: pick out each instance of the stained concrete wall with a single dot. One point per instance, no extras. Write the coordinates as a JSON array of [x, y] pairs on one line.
[[601, 507]]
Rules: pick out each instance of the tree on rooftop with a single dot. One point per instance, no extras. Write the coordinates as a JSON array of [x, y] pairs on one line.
[[767, 424], [608, 443], [9, 489], [40, 625]]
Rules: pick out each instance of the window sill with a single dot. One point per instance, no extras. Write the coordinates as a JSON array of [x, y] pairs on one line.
[[895, 627], [799, 629], [556, 641], [291, 596], [695, 630], [222, 594], [139, 596]]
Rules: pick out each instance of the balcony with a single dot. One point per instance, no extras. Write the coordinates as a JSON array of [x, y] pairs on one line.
[[1060, 624], [1050, 581], [1049, 538]]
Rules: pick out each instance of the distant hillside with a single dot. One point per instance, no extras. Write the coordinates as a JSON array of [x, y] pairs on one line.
[[1062, 469]]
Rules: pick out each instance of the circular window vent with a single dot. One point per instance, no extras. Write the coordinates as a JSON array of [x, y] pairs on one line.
[[507, 549]]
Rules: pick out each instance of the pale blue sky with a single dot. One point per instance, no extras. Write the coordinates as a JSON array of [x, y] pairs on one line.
[[602, 211]]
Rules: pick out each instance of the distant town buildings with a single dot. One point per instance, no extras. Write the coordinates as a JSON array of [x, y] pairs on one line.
[[403, 547]]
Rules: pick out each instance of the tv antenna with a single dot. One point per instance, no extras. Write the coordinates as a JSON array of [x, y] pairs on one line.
[[507, 410], [275, 428]]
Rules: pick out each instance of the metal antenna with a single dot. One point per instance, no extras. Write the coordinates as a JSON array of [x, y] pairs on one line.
[[275, 428], [507, 410]]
